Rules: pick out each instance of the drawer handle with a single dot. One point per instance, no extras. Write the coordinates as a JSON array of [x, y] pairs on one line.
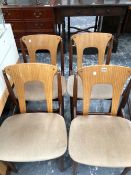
[[108, 10], [6, 14], [37, 15], [36, 25]]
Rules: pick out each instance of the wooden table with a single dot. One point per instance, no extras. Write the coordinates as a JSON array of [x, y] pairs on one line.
[[69, 8]]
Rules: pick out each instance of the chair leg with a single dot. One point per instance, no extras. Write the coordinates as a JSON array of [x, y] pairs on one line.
[[110, 107], [71, 108], [96, 21], [11, 166], [129, 108], [68, 27], [59, 29], [63, 106], [126, 21], [125, 171], [74, 166], [99, 26], [61, 163]]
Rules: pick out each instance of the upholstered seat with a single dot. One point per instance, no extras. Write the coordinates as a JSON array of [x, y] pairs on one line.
[[101, 141], [32, 137], [99, 91], [34, 90]]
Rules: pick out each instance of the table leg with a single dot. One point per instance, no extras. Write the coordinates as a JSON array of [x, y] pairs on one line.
[[68, 27], [125, 171], [115, 44], [63, 35]]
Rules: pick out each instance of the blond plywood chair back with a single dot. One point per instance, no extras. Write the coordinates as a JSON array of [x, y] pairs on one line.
[[92, 40], [106, 74], [22, 73], [41, 42]]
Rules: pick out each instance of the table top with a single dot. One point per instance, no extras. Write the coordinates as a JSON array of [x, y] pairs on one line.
[[59, 3]]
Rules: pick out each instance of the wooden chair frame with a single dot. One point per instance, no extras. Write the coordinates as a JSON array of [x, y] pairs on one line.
[[15, 100], [79, 63], [80, 49], [117, 111], [125, 96], [121, 106], [14, 71], [42, 42]]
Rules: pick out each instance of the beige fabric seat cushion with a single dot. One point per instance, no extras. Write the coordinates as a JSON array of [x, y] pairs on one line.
[[99, 91], [32, 137], [34, 90], [101, 141]]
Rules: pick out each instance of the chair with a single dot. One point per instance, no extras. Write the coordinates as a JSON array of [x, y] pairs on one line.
[[33, 43], [28, 137], [89, 40], [100, 140]]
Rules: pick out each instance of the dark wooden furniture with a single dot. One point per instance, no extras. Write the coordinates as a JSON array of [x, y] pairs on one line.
[[110, 24], [26, 17], [91, 8], [30, 17]]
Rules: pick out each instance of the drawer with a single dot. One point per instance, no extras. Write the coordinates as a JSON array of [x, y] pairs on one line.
[[110, 11], [90, 11], [12, 13], [40, 25], [38, 13], [16, 25], [40, 31]]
